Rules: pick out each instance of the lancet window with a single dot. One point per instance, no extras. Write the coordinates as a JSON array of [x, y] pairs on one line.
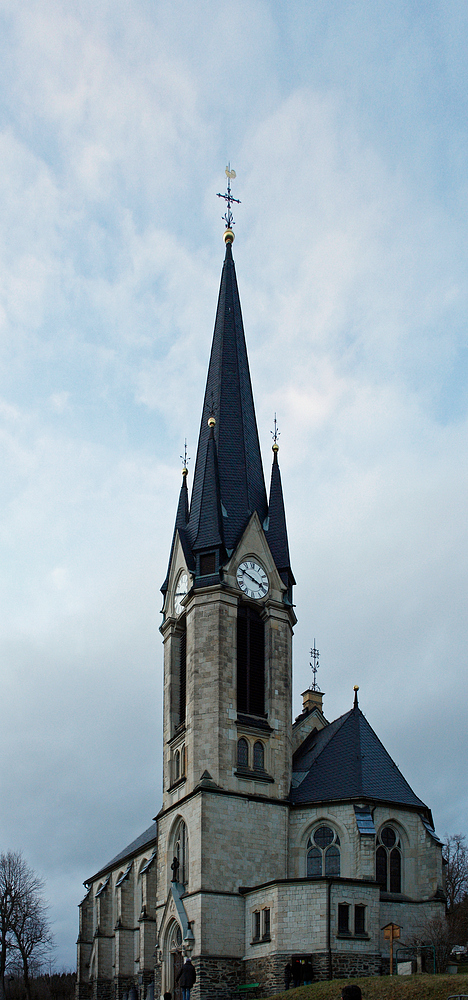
[[181, 852]]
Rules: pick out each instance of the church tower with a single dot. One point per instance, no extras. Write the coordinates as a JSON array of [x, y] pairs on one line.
[[227, 627]]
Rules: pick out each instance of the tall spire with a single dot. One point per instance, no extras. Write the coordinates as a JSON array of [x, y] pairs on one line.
[[229, 399]]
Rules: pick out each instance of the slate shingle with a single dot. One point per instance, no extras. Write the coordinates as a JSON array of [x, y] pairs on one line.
[[346, 760]]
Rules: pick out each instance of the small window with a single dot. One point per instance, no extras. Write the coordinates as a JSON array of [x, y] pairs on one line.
[[359, 919], [343, 918], [182, 761], [242, 752], [266, 924], [177, 765], [256, 925], [207, 563], [259, 756]]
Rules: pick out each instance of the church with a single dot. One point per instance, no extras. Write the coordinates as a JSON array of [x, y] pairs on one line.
[[277, 841]]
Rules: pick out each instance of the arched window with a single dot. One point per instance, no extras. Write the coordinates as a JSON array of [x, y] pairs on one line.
[[242, 752], [250, 662], [388, 860], [259, 756], [323, 852], [181, 852]]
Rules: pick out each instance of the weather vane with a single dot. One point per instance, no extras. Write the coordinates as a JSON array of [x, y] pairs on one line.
[[315, 665], [185, 458], [275, 435], [230, 174]]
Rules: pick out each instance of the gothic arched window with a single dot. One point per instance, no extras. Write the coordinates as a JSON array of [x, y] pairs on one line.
[[259, 756], [181, 852], [323, 852], [242, 752], [388, 860], [250, 661]]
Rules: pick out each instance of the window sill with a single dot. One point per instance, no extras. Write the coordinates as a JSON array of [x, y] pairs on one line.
[[254, 722], [178, 734], [249, 775], [346, 935], [176, 784], [262, 940]]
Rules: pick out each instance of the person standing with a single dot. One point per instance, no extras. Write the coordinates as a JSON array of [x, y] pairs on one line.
[[187, 976]]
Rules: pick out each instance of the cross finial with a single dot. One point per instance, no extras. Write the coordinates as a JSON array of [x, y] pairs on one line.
[[275, 435], [185, 458], [315, 665], [230, 174]]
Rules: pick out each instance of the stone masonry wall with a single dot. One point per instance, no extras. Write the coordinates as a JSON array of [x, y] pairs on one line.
[[216, 977]]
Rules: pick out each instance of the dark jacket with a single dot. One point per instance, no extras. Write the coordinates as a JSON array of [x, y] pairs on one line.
[[187, 976]]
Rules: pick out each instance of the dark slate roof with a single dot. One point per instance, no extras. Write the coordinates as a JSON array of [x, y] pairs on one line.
[[210, 526], [346, 760], [277, 534], [229, 398], [146, 838]]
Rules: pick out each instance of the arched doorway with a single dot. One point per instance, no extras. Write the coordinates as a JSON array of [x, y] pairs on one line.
[[174, 960]]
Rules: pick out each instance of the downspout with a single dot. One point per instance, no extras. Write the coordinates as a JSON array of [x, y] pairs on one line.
[[329, 889]]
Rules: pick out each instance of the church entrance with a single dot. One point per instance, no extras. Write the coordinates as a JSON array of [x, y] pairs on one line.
[[173, 960], [178, 962]]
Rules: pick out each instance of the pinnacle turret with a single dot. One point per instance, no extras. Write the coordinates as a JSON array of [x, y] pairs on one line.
[[277, 535]]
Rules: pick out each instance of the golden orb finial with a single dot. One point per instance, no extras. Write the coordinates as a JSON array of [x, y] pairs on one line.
[[211, 421]]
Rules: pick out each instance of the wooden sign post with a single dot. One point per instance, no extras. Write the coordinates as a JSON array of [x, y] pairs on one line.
[[391, 932]]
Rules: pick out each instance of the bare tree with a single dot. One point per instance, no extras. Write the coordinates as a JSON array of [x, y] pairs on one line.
[[24, 927], [438, 933], [455, 856], [32, 937]]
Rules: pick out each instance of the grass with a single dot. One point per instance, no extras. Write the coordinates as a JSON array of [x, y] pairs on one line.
[[385, 988]]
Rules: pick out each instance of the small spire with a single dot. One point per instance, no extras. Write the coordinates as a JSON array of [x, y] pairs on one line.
[[356, 689], [314, 664], [228, 198]]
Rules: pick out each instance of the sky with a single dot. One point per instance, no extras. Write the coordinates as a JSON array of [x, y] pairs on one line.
[[346, 123]]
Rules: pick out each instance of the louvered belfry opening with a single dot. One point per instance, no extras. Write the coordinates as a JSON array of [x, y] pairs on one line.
[[250, 662], [182, 676]]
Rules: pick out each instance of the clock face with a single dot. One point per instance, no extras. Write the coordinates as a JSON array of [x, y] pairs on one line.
[[180, 592], [252, 579]]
